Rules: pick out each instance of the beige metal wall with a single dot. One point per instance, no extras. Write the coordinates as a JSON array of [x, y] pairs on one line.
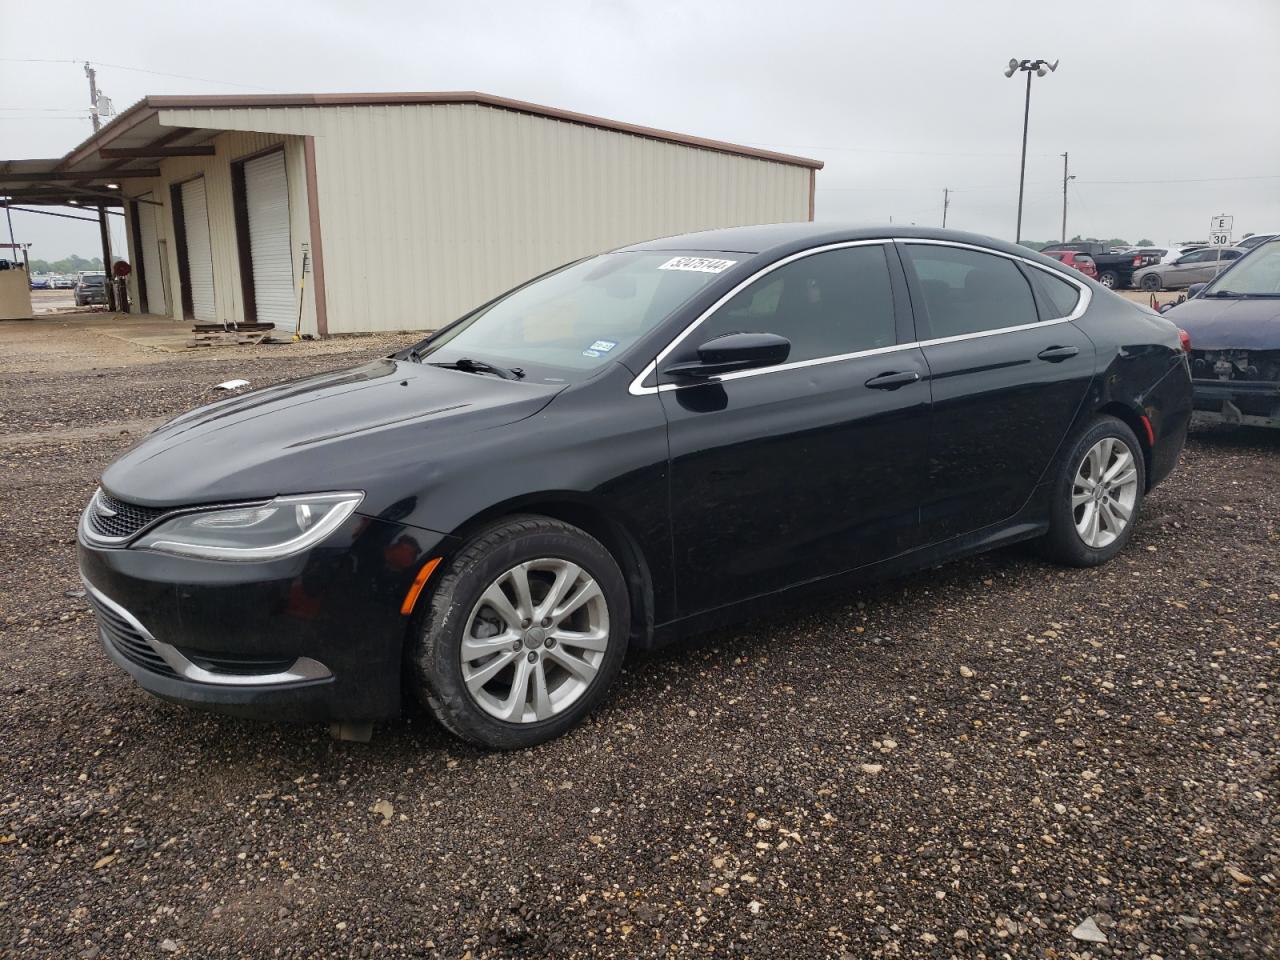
[[428, 210], [216, 170]]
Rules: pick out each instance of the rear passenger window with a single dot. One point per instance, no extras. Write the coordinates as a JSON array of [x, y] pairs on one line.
[[826, 304], [966, 291], [1060, 295]]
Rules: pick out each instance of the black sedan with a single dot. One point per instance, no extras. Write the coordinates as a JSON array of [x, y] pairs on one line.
[[1234, 325], [625, 450]]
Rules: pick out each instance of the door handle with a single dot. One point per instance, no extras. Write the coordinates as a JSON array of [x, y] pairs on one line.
[[892, 381], [1058, 354]]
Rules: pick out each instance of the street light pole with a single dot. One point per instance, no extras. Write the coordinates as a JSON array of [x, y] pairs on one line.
[[1039, 68]]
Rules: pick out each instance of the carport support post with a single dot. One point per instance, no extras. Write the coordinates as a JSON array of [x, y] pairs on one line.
[[106, 256]]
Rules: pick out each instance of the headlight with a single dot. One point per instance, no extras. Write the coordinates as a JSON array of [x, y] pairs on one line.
[[265, 531]]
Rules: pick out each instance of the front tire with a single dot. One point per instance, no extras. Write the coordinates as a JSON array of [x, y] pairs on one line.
[[1097, 495], [1151, 283], [523, 635]]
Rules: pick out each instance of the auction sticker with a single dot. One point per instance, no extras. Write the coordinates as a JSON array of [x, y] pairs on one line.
[[698, 264]]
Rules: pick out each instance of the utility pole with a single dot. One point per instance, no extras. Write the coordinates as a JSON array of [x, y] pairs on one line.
[[1065, 178], [946, 202], [92, 74]]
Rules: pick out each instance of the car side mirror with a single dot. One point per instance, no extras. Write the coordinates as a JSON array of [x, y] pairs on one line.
[[1194, 289], [734, 351]]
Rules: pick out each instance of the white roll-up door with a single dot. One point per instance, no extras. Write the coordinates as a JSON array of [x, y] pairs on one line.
[[267, 198], [195, 217], [152, 278]]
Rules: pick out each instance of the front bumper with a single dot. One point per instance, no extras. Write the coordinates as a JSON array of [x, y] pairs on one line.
[[317, 636], [1247, 402]]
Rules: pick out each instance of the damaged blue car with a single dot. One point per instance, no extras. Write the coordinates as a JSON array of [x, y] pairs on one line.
[[1234, 326]]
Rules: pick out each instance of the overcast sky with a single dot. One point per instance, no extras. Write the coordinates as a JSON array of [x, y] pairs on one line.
[[900, 99]]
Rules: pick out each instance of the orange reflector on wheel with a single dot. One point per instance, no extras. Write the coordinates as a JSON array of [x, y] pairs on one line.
[[419, 582]]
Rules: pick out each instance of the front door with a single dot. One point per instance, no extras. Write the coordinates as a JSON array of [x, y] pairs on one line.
[[1006, 383], [792, 473]]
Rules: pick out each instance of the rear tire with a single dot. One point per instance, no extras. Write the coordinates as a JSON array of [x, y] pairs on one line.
[[1109, 279], [1097, 496], [545, 671]]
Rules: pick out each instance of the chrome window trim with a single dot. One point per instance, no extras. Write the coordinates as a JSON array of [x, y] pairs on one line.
[[303, 668], [638, 389]]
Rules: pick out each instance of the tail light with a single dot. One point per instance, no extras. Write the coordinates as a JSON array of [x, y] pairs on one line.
[[1137, 261], [1185, 339]]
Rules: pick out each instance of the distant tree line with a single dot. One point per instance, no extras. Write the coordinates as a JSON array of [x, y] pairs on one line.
[[1113, 242], [71, 264]]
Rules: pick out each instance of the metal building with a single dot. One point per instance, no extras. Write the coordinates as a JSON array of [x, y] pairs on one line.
[[405, 209]]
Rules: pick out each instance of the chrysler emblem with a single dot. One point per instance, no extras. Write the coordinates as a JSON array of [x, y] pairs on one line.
[[101, 509]]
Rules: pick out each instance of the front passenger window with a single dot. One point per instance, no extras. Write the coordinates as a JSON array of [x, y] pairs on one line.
[[827, 304], [970, 292]]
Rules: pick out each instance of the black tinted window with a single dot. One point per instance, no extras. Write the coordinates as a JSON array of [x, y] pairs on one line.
[[966, 291], [826, 304], [1062, 296]]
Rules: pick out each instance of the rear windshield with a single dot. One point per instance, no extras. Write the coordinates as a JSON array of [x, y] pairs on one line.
[[93, 280], [564, 325]]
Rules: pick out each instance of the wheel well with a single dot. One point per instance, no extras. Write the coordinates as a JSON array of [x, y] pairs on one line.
[[1133, 420], [615, 537]]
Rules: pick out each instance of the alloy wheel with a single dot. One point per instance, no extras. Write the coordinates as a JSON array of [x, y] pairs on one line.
[[535, 640], [1104, 492]]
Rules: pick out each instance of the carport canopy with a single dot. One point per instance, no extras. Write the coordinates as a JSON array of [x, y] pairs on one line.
[[130, 147]]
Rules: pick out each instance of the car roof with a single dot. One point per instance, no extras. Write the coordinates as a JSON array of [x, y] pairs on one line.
[[770, 238]]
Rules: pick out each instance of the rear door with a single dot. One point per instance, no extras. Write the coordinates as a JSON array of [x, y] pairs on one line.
[[813, 467], [1008, 372]]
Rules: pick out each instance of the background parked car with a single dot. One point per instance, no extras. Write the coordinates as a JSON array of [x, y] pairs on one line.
[[1115, 270], [1197, 266], [1250, 242], [1080, 261], [91, 289], [41, 283]]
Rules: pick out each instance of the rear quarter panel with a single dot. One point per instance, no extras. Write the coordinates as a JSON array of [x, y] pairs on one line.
[[1142, 369]]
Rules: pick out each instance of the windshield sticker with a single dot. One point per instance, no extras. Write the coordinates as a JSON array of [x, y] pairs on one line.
[[698, 264], [604, 346], [591, 353]]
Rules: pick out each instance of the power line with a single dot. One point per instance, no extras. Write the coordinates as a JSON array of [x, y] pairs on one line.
[[156, 73], [1264, 176]]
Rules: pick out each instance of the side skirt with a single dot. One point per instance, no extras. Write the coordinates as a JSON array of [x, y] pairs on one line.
[[1027, 524]]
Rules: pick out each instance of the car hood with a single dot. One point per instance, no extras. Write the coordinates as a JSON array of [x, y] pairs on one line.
[[1243, 324], [373, 428]]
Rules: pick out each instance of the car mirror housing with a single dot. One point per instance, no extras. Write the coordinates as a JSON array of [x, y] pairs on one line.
[[1195, 289], [734, 351]]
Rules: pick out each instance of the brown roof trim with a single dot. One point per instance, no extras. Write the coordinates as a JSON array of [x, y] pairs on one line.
[[216, 101]]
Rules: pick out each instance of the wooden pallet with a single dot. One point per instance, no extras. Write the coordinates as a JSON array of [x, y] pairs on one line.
[[233, 328], [229, 338]]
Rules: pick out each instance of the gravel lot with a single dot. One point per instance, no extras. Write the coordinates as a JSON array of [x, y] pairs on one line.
[[966, 762]]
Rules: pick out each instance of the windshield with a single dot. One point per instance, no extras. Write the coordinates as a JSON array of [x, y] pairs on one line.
[[568, 323], [1257, 275]]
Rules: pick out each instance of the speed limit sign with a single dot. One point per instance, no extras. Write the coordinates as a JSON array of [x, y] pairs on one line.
[[1220, 230]]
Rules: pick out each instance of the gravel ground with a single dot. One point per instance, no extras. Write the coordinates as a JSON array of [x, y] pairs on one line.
[[970, 762]]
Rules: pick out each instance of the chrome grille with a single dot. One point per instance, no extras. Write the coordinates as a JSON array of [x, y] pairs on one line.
[[109, 517], [126, 640]]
